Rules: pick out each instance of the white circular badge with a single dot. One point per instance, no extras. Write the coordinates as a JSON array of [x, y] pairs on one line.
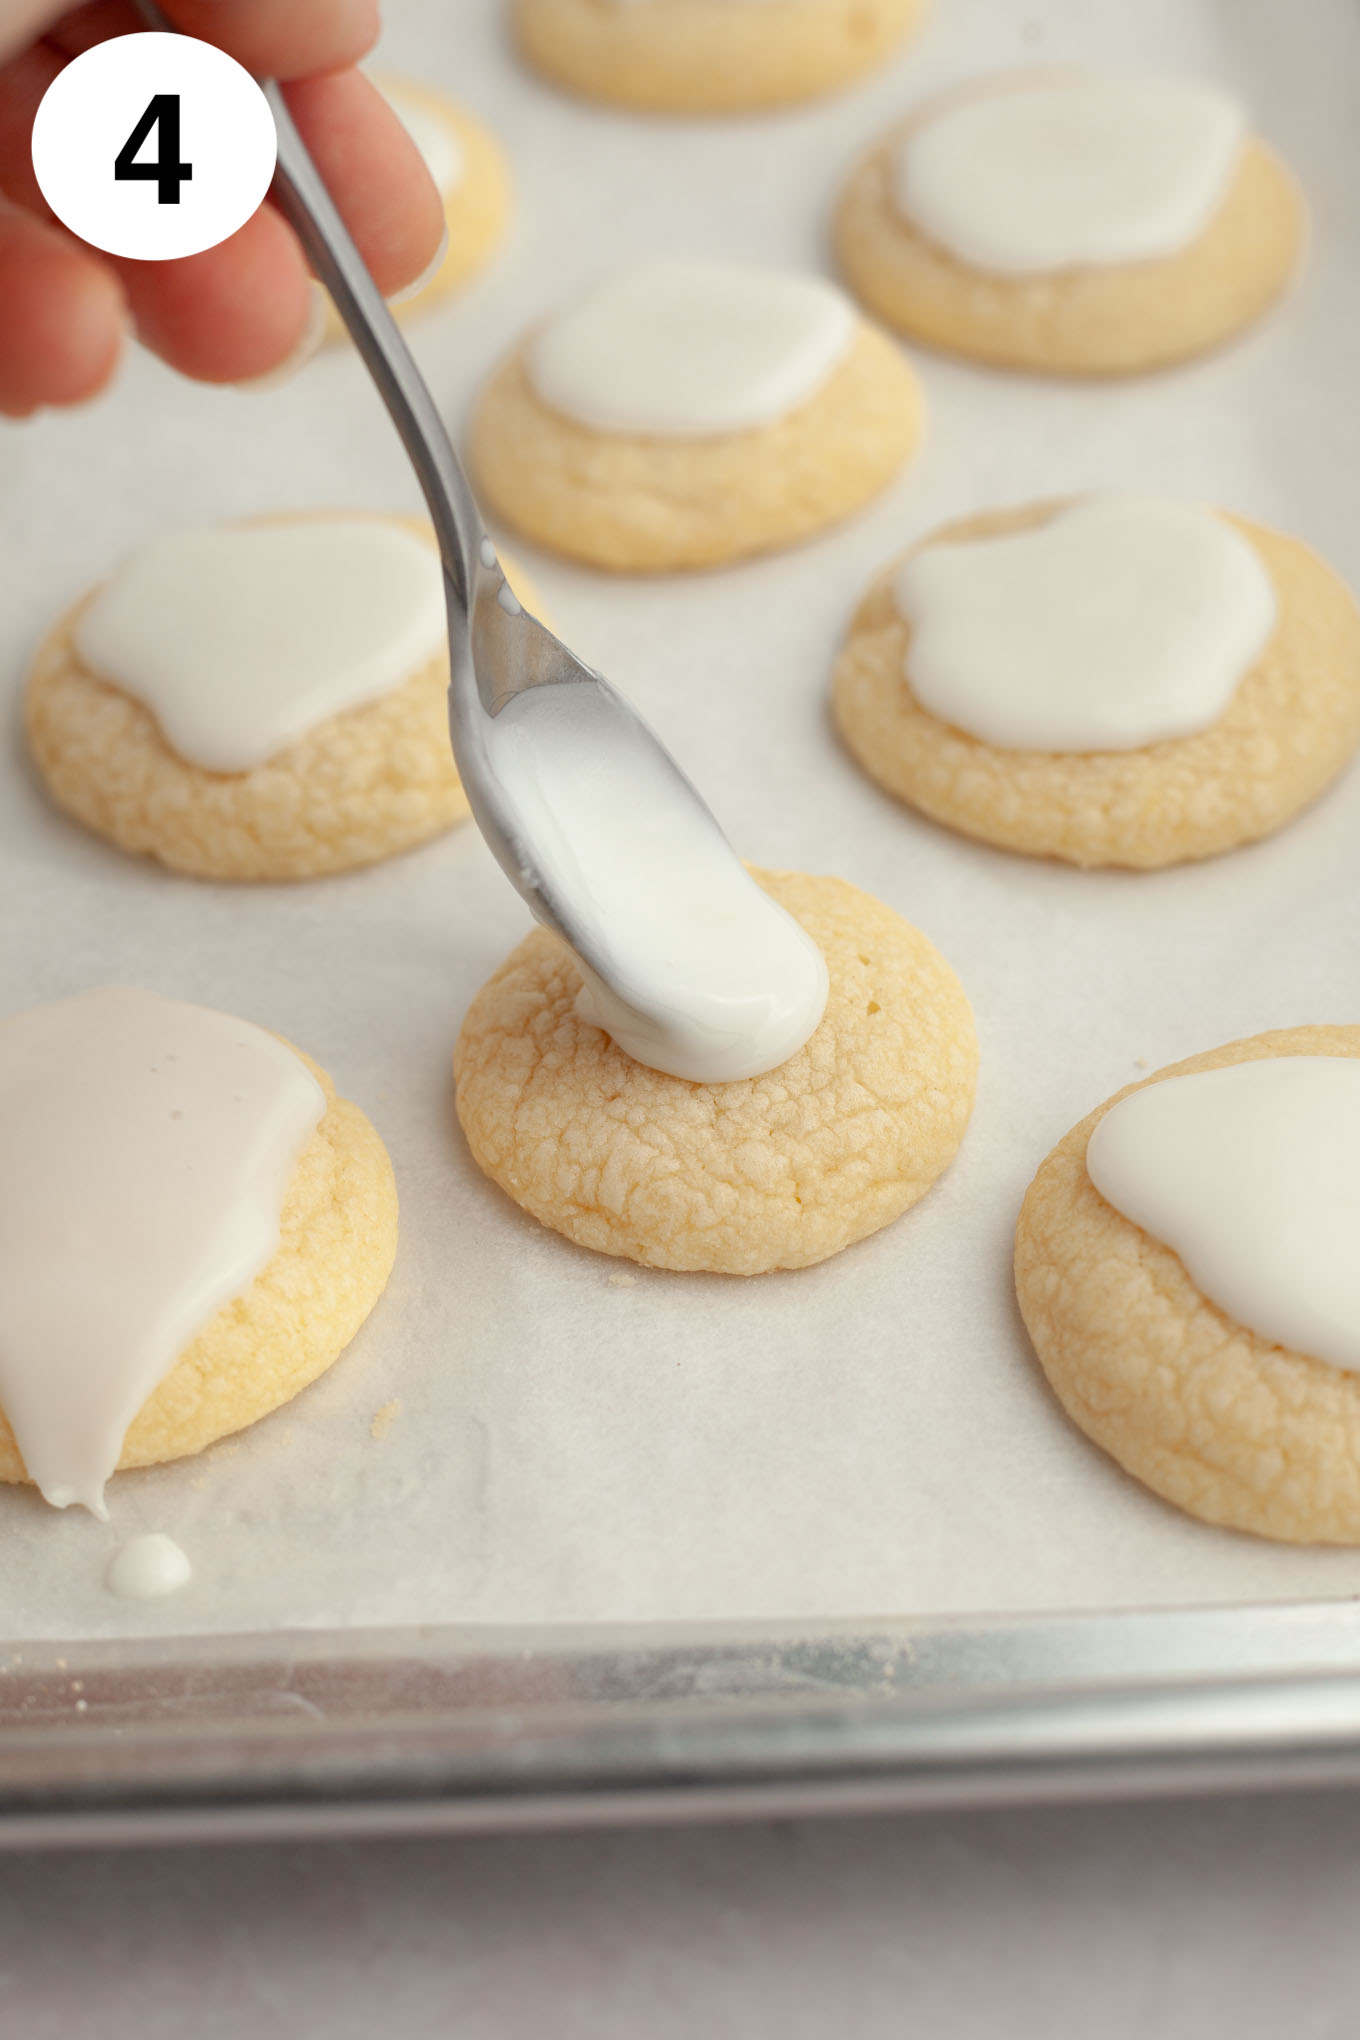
[[154, 146]]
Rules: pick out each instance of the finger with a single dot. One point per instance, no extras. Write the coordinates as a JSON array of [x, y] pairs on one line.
[[64, 321], [242, 308], [186, 310], [21, 19], [374, 172], [269, 38], [232, 313], [236, 311], [23, 82]]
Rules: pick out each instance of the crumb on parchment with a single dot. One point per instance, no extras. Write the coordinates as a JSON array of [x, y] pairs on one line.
[[382, 1420]]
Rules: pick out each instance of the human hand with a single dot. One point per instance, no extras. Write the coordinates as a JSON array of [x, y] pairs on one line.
[[238, 310]]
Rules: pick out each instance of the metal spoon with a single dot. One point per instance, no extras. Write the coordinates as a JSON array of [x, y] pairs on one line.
[[499, 654]]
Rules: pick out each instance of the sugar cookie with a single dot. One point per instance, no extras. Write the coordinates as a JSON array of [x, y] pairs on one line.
[[468, 166], [771, 1172], [1288, 728], [336, 790], [1071, 223], [687, 413], [708, 56], [192, 1187], [1224, 1421]]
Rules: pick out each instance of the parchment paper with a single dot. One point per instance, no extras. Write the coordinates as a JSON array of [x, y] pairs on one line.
[[563, 1437]]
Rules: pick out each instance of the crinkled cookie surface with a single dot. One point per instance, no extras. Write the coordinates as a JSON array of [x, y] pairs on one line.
[[1292, 725], [1225, 1424], [772, 1172], [337, 1243], [361, 786], [650, 504], [1093, 320]]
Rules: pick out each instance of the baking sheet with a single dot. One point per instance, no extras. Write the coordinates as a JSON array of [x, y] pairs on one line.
[[526, 1433]]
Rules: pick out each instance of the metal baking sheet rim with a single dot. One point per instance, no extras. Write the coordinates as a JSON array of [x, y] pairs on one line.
[[463, 1730]]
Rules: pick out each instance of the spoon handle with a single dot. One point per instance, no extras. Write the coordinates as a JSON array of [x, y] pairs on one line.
[[301, 196]]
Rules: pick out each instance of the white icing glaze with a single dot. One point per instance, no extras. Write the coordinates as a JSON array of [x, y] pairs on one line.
[[241, 638], [145, 1148], [684, 347], [716, 981], [1042, 176], [1251, 1174], [147, 1568], [434, 136], [1121, 621]]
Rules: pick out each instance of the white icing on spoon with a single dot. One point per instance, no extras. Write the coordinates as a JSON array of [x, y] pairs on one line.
[[724, 983], [1119, 622], [1043, 176], [241, 638], [434, 136], [147, 1568], [683, 347], [145, 1149], [1251, 1174]]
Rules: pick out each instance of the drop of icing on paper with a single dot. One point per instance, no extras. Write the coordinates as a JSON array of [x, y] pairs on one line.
[[242, 638], [686, 347], [434, 136], [1119, 622], [1251, 1174], [147, 1568], [1041, 175], [145, 1150]]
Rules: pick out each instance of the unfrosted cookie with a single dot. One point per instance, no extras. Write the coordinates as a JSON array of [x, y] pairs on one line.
[[334, 1217], [1289, 727], [771, 1172], [708, 56], [347, 789], [688, 413], [469, 169], [1231, 1425], [1085, 267]]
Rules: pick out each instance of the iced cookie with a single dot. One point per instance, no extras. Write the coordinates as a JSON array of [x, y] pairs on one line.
[[1072, 223], [708, 56], [1119, 680], [688, 412], [1186, 1264], [263, 700], [738, 1178], [470, 173], [193, 1226]]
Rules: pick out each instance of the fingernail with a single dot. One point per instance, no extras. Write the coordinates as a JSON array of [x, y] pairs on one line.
[[313, 333], [427, 274]]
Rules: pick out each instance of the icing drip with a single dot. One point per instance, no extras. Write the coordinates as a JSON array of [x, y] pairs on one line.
[[145, 1149], [1251, 1174]]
